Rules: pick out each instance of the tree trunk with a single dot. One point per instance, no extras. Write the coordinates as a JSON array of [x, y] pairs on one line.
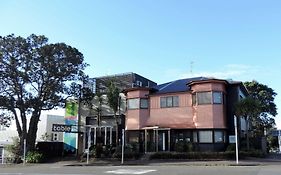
[[32, 131], [21, 130]]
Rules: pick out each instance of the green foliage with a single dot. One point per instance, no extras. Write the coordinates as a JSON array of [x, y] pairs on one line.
[[183, 146], [231, 147], [189, 155], [35, 76], [5, 119], [114, 103], [207, 155], [272, 142], [252, 153], [96, 151], [15, 150], [34, 157], [113, 96], [265, 96], [99, 151], [129, 152], [247, 107]]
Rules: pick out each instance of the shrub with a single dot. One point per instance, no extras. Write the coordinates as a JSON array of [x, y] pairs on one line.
[[34, 157], [231, 147], [96, 151], [193, 155], [206, 155], [14, 150], [252, 153], [183, 146], [129, 152]]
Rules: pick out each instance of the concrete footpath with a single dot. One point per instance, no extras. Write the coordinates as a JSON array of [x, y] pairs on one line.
[[270, 160]]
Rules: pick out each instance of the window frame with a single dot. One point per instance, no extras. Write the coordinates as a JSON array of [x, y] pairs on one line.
[[147, 103], [138, 103], [195, 98], [221, 97], [200, 137], [198, 100], [222, 136], [169, 101]]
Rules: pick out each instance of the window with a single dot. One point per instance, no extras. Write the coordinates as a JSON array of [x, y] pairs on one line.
[[163, 102], [170, 101], [143, 103], [219, 136], [217, 97], [133, 103], [204, 98], [195, 136], [205, 136], [139, 83], [194, 99], [175, 101]]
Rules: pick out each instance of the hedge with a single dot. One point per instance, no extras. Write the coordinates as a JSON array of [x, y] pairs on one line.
[[206, 155]]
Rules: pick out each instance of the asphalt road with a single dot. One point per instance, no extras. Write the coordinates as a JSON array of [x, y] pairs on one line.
[[51, 169]]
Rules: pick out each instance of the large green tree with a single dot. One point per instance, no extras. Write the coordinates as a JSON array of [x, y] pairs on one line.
[[265, 96], [35, 76]]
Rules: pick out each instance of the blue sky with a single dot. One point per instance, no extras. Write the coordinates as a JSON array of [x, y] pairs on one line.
[[159, 39]]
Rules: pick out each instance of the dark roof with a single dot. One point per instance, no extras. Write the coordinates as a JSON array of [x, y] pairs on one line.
[[177, 85]]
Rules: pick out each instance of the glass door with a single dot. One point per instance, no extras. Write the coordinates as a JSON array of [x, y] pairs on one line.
[[163, 140]]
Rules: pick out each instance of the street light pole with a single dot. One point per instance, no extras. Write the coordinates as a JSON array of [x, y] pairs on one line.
[[236, 139], [24, 151], [89, 144]]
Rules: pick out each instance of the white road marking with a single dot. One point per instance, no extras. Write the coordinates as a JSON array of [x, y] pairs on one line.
[[130, 171]]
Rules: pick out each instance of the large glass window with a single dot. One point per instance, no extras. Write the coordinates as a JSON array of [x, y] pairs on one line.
[[170, 101], [143, 103], [204, 98], [201, 98], [205, 136], [219, 136], [217, 97], [133, 103]]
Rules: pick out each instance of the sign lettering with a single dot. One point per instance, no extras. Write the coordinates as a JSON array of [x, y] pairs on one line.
[[61, 128]]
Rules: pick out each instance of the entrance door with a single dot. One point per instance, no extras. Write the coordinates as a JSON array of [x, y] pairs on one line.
[[163, 140]]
